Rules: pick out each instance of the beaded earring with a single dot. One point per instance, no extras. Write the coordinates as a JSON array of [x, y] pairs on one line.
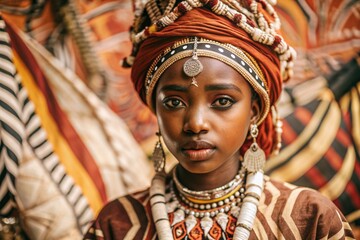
[[158, 156], [254, 157], [278, 130]]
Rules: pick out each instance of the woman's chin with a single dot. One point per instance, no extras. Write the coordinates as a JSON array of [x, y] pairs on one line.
[[197, 167]]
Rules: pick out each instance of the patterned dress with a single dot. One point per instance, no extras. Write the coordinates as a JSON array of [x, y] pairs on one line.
[[285, 212]]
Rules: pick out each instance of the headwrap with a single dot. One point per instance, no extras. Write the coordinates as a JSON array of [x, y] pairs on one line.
[[203, 23]]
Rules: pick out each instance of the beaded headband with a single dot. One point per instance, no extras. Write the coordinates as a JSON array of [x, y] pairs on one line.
[[227, 53], [249, 16]]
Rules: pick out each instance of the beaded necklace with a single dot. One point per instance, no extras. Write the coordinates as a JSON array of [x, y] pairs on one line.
[[213, 194], [240, 202]]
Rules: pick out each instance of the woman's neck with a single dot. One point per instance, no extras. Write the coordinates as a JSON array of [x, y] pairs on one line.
[[210, 180]]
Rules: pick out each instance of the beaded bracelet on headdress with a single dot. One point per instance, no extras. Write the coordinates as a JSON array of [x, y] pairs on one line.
[[232, 56], [250, 18]]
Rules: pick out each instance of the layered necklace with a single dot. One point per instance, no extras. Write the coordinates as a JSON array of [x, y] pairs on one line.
[[179, 212]]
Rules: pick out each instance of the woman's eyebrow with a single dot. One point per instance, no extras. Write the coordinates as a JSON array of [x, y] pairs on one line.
[[214, 87]]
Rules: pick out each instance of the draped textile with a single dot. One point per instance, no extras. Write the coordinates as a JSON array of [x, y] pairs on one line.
[[320, 105], [63, 153], [284, 212], [88, 37], [321, 149]]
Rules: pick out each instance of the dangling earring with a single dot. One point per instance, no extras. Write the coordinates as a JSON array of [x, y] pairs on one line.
[[278, 130], [158, 156], [254, 157]]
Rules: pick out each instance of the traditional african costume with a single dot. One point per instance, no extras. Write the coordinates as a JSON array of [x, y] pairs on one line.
[[284, 212], [251, 206]]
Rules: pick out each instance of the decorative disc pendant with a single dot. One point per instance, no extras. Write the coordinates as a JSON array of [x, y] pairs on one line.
[[254, 158], [192, 67]]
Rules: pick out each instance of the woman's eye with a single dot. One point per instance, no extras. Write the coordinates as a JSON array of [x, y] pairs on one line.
[[173, 103], [223, 102]]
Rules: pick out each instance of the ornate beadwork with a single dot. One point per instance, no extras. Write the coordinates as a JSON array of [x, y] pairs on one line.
[[234, 57], [239, 210], [248, 17], [217, 193]]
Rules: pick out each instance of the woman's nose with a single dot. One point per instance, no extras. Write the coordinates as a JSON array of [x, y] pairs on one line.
[[196, 120]]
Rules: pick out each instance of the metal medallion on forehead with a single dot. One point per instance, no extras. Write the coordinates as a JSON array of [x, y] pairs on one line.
[[193, 67]]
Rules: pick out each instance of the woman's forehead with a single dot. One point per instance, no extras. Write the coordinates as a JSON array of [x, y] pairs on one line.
[[214, 72]]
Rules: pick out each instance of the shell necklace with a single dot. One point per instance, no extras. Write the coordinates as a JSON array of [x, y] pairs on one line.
[[218, 204]]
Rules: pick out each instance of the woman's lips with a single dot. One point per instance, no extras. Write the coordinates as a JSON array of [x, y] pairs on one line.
[[198, 150], [198, 155]]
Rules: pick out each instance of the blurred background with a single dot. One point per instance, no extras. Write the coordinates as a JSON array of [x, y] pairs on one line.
[[75, 135]]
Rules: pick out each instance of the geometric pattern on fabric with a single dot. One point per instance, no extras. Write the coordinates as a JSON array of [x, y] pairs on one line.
[[11, 128], [320, 153], [106, 35], [326, 37], [67, 166], [20, 123], [43, 150], [284, 212], [112, 151]]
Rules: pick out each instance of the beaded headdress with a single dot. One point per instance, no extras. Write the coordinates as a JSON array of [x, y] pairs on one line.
[[244, 30], [256, 17]]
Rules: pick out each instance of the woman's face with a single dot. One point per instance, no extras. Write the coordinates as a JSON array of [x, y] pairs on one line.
[[205, 126]]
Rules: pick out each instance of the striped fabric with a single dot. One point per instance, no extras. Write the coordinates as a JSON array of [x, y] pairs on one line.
[[58, 26], [320, 153], [64, 154], [321, 138], [325, 34], [285, 212], [12, 130]]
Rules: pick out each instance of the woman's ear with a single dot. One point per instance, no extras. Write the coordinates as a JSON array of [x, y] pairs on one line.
[[255, 111]]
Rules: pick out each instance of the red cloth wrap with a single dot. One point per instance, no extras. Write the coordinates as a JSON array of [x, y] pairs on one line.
[[202, 22]]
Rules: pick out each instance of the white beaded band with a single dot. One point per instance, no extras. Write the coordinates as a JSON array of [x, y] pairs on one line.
[[157, 195], [232, 56]]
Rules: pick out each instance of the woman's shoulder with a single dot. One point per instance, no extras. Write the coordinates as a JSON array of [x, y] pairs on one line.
[[125, 205], [291, 195], [119, 216], [301, 212]]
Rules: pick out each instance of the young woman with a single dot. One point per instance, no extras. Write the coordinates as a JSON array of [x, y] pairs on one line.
[[212, 71]]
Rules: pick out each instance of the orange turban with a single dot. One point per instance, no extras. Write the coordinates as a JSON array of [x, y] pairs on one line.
[[201, 22]]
